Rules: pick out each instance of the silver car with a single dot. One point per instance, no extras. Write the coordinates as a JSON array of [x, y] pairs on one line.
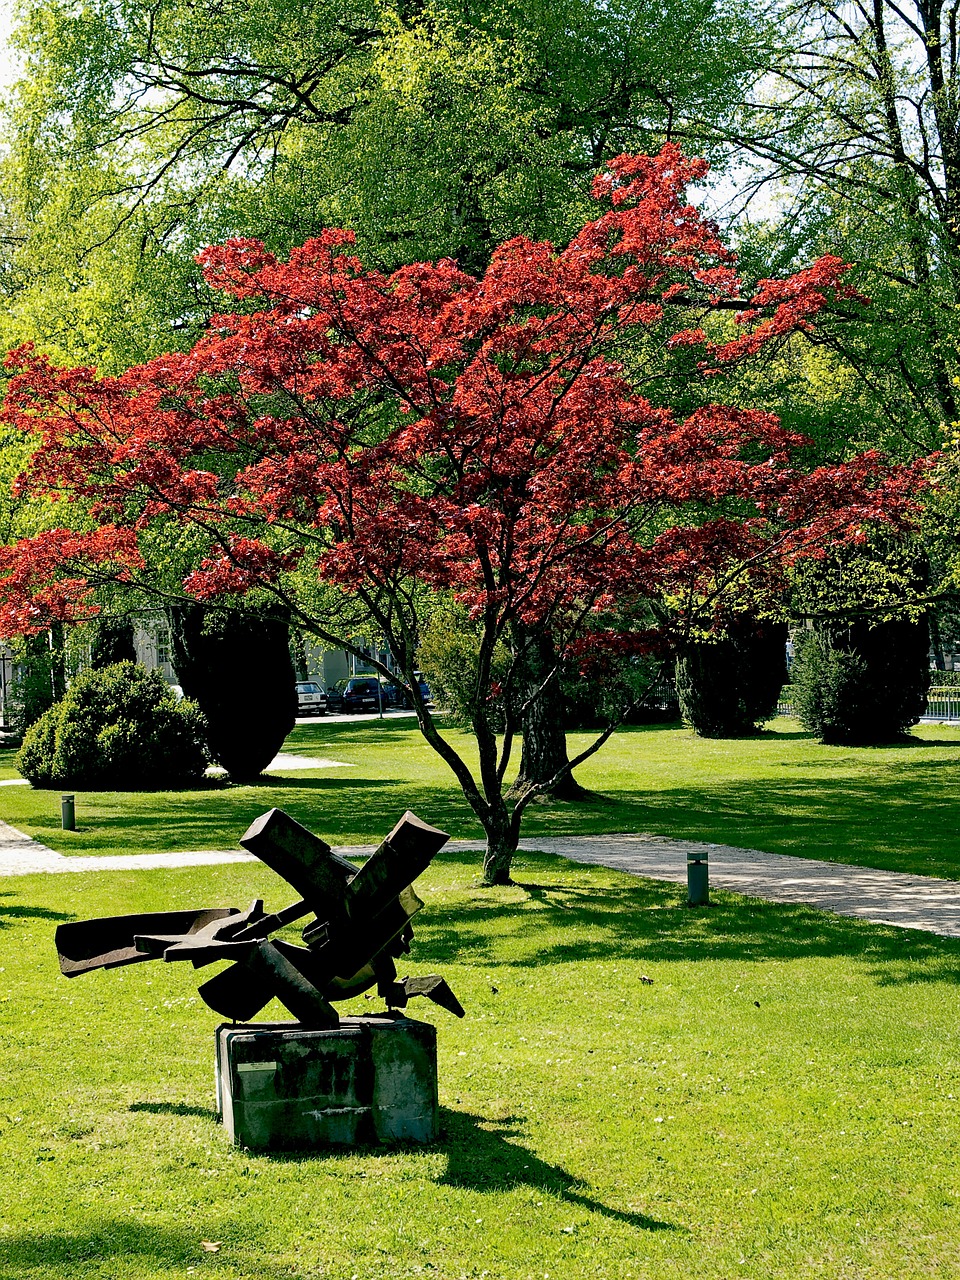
[[311, 699]]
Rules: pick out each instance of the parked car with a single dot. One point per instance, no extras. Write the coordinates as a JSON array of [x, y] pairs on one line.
[[359, 693], [311, 700], [396, 696]]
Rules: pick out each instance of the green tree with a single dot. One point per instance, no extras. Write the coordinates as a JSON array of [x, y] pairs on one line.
[[727, 686], [111, 641], [236, 666], [850, 144], [858, 684], [139, 134]]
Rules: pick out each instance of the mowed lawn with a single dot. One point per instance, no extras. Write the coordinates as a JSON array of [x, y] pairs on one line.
[[895, 806], [638, 1090]]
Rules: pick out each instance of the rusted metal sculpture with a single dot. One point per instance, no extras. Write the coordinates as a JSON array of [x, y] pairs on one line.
[[361, 927]]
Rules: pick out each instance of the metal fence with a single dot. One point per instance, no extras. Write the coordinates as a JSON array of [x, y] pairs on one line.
[[943, 703]]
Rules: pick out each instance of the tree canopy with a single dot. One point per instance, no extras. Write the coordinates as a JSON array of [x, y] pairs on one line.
[[140, 133], [850, 144]]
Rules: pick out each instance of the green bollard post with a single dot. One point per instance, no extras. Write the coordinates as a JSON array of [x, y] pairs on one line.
[[698, 879], [68, 813]]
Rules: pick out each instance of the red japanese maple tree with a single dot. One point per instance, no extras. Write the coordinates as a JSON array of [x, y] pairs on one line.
[[428, 434]]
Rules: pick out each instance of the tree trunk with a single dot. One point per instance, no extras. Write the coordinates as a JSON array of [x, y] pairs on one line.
[[58, 661], [937, 643], [544, 751], [502, 840]]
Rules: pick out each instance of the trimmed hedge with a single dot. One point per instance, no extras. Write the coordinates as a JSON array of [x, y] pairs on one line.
[[860, 685], [119, 728], [236, 666], [727, 687], [111, 641]]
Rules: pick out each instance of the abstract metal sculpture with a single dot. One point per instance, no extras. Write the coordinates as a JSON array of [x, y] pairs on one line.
[[361, 926]]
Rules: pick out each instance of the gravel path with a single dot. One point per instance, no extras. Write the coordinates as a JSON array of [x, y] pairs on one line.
[[884, 897], [21, 856]]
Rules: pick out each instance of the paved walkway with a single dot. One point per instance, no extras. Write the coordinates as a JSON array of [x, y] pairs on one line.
[[21, 856], [884, 897]]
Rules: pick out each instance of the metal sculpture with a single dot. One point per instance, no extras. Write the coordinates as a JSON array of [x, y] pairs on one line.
[[361, 927]]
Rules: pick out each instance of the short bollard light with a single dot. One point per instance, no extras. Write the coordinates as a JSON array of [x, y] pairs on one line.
[[68, 813], [698, 879]]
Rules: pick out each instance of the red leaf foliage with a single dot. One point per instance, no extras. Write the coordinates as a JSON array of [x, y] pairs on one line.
[[472, 434]]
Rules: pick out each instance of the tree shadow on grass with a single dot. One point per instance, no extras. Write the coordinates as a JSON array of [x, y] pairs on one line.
[[10, 912], [360, 733], [200, 785], [485, 1155], [900, 813], [332, 780], [647, 920], [341, 810]]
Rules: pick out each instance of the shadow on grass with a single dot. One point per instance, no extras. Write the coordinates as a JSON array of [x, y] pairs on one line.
[[341, 810], [901, 814], [13, 911], [175, 1109], [648, 921], [140, 1247], [485, 1155], [202, 786], [361, 733], [893, 808]]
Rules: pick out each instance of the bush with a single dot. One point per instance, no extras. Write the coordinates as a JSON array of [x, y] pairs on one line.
[[120, 728], [945, 679], [236, 666], [726, 687], [859, 685]]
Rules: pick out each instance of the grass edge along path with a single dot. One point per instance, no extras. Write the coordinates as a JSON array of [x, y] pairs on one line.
[[884, 897]]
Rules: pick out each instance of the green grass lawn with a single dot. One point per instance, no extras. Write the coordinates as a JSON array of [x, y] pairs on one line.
[[895, 807], [780, 1102]]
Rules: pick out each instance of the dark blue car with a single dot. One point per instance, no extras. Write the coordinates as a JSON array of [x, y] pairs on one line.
[[359, 693], [397, 696]]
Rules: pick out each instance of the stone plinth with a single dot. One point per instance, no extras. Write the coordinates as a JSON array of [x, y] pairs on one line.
[[373, 1079]]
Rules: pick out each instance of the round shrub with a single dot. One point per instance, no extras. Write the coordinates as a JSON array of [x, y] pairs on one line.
[[861, 685], [726, 687], [119, 728]]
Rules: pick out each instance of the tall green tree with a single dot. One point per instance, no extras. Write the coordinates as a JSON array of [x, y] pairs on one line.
[[849, 143], [140, 133]]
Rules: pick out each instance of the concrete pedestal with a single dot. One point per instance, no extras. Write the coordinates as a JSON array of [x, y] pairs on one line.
[[281, 1088]]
